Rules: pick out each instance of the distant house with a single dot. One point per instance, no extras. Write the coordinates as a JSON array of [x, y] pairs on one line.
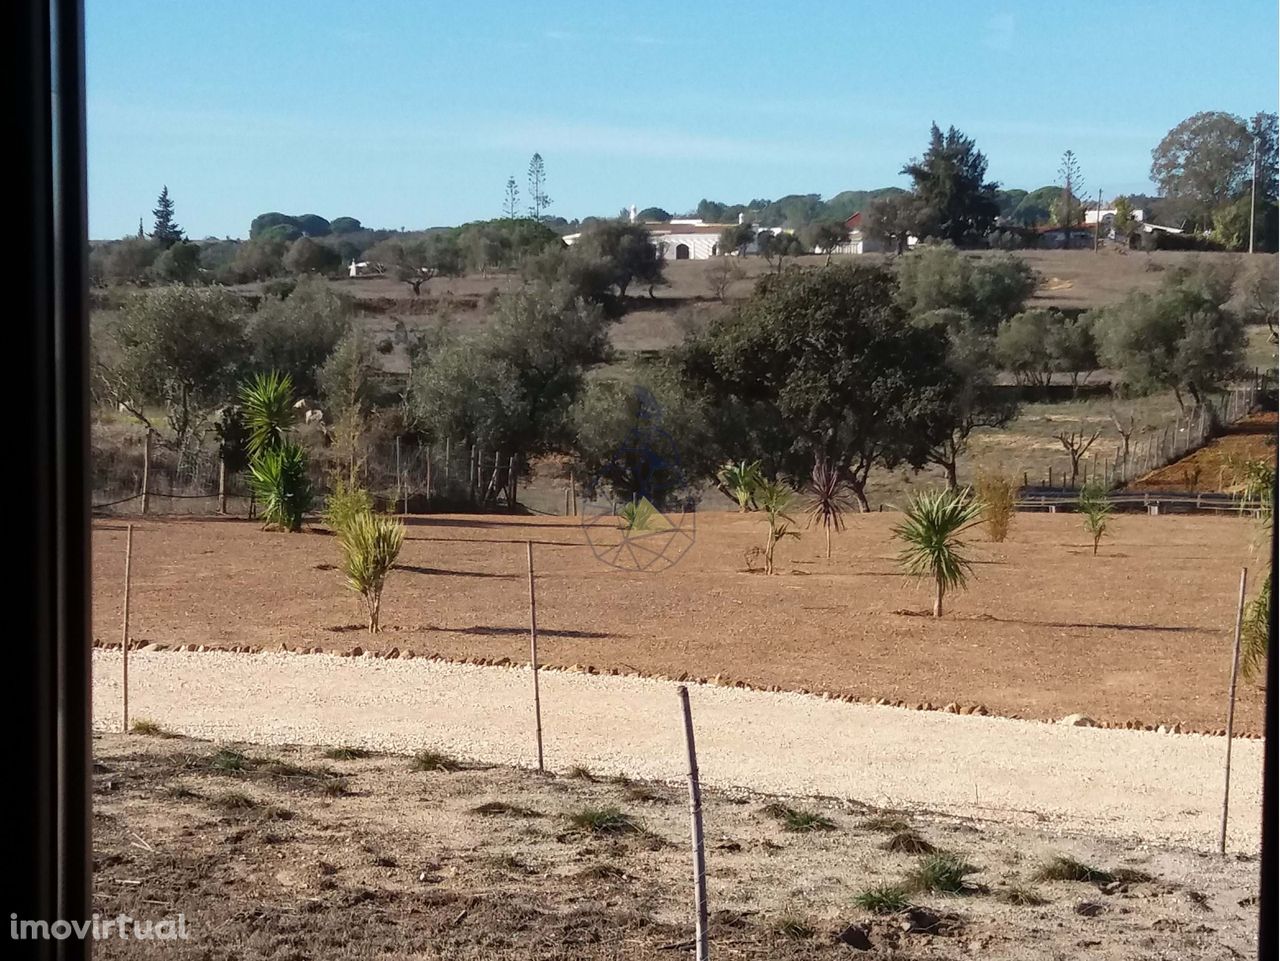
[[1108, 215], [1078, 237], [859, 242], [684, 239]]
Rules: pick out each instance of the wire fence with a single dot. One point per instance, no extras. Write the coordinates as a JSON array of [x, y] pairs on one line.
[[1135, 457]]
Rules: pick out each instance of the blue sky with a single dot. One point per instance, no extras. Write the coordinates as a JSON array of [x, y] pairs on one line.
[[414, 113]]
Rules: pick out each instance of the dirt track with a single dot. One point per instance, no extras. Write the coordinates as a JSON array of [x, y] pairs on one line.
[[1140, 632], [1106, 783]]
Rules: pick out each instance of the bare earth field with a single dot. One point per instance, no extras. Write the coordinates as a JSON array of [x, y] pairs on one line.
[[288, 853], [1139, 633]]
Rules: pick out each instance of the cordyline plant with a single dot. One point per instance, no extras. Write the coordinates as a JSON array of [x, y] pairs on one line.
[[930, 532], [370, 544], [831, 499], [637, 515], [775, 499], [741, 481], [267, 407], [1095, 508]]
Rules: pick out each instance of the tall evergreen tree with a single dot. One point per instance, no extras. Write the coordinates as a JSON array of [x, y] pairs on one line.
[[538, 199], [166, 230], [955, 202], [142, 234], [511, 202]]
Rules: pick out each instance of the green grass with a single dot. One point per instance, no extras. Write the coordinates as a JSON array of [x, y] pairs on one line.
[[347, 753], [882, 898], [1063, 868], [428, 760], [605, 820], [908, 842], [799, 820], [944, 873]]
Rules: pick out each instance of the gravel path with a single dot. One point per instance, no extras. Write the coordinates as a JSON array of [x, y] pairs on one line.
[[1127, 784]]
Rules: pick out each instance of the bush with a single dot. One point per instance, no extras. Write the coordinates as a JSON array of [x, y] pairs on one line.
[[344, 504], [370, 544], [1096, 509], [997, 493]]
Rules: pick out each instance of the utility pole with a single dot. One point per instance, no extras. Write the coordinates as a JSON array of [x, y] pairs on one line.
[[1097, 222], [1253, 190]]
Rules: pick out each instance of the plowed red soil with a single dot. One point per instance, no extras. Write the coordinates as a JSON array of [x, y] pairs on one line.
[[1142, 631], [1214, 467]]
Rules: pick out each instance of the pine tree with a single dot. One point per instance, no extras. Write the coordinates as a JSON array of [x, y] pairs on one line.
[[511, 203], [166, 230], [538, 199], [142, 234]]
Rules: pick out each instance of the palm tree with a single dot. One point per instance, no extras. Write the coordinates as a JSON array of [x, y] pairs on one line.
[[1096, 509], [830, 501], [934, 521], [776, 499]]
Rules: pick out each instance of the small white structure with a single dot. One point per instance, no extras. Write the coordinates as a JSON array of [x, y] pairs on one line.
[[680, 239], [859, 242], [365, 268], [1108, 215]]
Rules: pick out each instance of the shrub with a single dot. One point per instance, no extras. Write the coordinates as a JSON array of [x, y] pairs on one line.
[[267, 403], [1096, 511], [149, 728], [370, 544], [345, 504], [931, 535], [637, 515], [1022, 895], [281, 484], [997, 495], [908, 842]]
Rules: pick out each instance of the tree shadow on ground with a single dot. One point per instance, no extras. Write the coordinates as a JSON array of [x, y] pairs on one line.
[[444, 572]]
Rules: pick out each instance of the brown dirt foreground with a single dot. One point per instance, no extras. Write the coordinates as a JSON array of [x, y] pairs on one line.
[[299, 855], [1142, 631]]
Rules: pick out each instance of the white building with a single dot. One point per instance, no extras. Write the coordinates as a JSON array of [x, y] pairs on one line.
[[1108, 215], [685, 239]]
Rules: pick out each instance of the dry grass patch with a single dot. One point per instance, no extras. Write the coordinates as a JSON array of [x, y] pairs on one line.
[[1063, 868], [908, 842], [429, 760], [943, 873], [798, 820], [605, 820], [500, 808], [150, 728], [882, 898]]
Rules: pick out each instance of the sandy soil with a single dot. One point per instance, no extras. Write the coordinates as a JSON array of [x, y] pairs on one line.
[[1140, 632], [1126, 784], [299, 856]]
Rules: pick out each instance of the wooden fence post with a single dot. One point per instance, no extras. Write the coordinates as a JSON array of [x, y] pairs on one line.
[[446, 461], [533, 654], [511, 482], [702, 946], [1231, 713], [428, 472], [222, 485], [124, 629], [146, 473]]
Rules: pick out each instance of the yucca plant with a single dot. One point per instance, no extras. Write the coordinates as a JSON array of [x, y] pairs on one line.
[[742, 481], [267, 403], [279, 480], [1095, 508], [830, 499], [998, 496], [930, 532], [370, 544], [775, 499]]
